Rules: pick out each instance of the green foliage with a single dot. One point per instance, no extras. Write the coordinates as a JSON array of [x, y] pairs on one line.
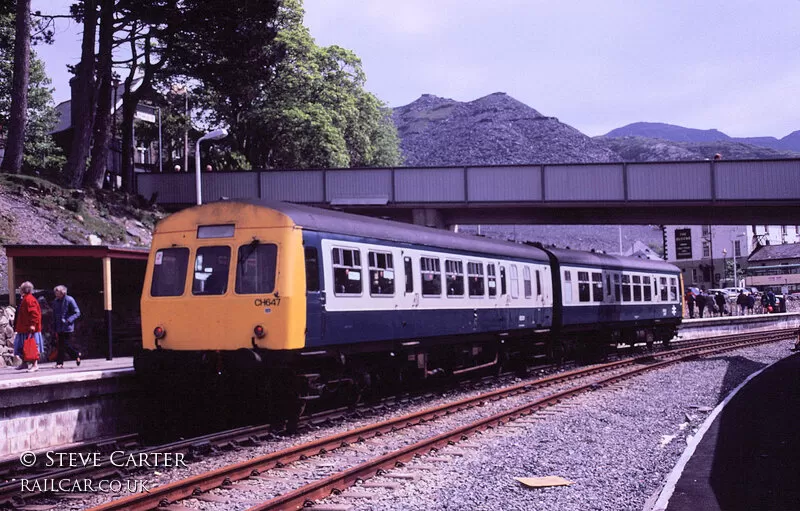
[[41, 153], [288, 102]]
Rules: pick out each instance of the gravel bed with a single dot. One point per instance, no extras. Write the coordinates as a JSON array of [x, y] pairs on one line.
[[617, 446], [616, 462]]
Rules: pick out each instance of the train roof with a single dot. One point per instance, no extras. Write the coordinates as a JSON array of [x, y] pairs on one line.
[[566, 256], [337, 222]]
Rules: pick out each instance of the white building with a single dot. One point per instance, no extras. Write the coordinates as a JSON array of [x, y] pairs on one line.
[[707, 254]]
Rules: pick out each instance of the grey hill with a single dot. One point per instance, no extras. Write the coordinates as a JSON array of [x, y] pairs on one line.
[[499, 130]]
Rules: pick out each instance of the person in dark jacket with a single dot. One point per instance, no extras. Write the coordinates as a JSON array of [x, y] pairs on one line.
[[65, 312], [751, 303], [701, 301], [719, 298], [690, 299], [741, 301]]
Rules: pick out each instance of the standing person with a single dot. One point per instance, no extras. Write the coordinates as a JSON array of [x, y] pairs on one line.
[[28, 321], [690, 303], [65, 312], [771, 304], [701, 302], [720, 299], [741, 301], [751, 303]]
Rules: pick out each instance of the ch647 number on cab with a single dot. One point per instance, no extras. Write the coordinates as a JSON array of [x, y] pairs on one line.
[[269, 302]]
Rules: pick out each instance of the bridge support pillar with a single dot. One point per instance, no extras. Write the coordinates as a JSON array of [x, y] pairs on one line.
[[429, 218]]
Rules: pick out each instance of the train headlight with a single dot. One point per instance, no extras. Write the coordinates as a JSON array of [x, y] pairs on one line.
[[259, 331], [159, 332]]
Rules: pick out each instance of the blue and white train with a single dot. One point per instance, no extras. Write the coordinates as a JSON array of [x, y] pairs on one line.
[[326, 298]]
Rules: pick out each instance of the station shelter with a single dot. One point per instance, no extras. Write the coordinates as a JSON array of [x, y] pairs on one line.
[[105, 281]]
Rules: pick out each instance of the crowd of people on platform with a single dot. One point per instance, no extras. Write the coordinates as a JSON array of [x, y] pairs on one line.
[[713, 303]]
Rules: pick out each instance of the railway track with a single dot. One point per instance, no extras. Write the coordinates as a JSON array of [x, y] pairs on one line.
[[364, 450]]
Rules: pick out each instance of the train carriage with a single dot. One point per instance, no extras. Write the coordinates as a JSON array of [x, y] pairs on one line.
[[316, 300]]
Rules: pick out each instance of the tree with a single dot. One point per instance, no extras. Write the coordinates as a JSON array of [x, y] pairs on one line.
[[83, 97], [288, 103], [102, 125], [40, 152], [12, 162]]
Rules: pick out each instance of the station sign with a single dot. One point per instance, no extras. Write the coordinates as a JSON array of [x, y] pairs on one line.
[[683, 243]]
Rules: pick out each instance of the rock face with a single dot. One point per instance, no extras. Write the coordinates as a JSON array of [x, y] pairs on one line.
[[493, 130]]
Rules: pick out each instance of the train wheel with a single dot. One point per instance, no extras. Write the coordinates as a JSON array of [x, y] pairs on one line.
[[649, 339]]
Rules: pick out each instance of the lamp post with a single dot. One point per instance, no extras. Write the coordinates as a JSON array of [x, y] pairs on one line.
[[214, 135], [724, 266], [160, 167], [733, 248]]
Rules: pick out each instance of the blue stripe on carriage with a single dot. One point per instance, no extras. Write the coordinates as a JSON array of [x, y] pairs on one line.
[[628, 313], [346, 327]]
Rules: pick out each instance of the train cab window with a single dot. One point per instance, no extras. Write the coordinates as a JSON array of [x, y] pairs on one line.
[[503, 283], [476, 281], [583, 287], [637, 288], [256, 264], [381, 274], [169, 272], [527, 285], [346, 271], [626, 288], [312, 270], [431, 276], [409, 274], [211, 265], [492, 280], [663, 282], [455, 278], [648, 294], [567, 286], [538, 284], [673, 289], [514, 281], [597, 287], [617, 289]]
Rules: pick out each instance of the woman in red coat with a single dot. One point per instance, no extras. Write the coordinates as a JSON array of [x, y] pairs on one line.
[[28, 321]]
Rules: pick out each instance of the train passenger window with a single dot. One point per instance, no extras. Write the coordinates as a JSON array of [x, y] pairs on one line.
[[567, 286], [455, 278], [255, 269], [492, 280], [538, 284], [431, 276], [597, 287], [475, 276], [637, 288], [346, 271], [312, 270], [169, 272], [211, 265], [514, 281], [626, 288], [673, 289], [663, 282], [608, 285], [583, 287], [409, 275], [617, 288], [655, 288], [503, 283], [526, 282], [648, 295], [381, 274]]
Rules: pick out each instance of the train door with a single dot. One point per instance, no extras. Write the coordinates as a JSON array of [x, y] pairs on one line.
[[315, 296]]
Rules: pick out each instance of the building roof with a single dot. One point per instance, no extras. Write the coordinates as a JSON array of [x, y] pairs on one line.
[[93, 251], [773, 252], [64, 109]]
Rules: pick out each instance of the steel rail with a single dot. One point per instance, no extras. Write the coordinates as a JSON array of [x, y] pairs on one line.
[[305, 495], [182, 489]]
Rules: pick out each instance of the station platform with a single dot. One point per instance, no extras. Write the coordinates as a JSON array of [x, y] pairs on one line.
[[746, 456], [53, 407]]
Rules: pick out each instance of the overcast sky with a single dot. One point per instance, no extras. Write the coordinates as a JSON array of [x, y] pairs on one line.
[[733, 65]]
